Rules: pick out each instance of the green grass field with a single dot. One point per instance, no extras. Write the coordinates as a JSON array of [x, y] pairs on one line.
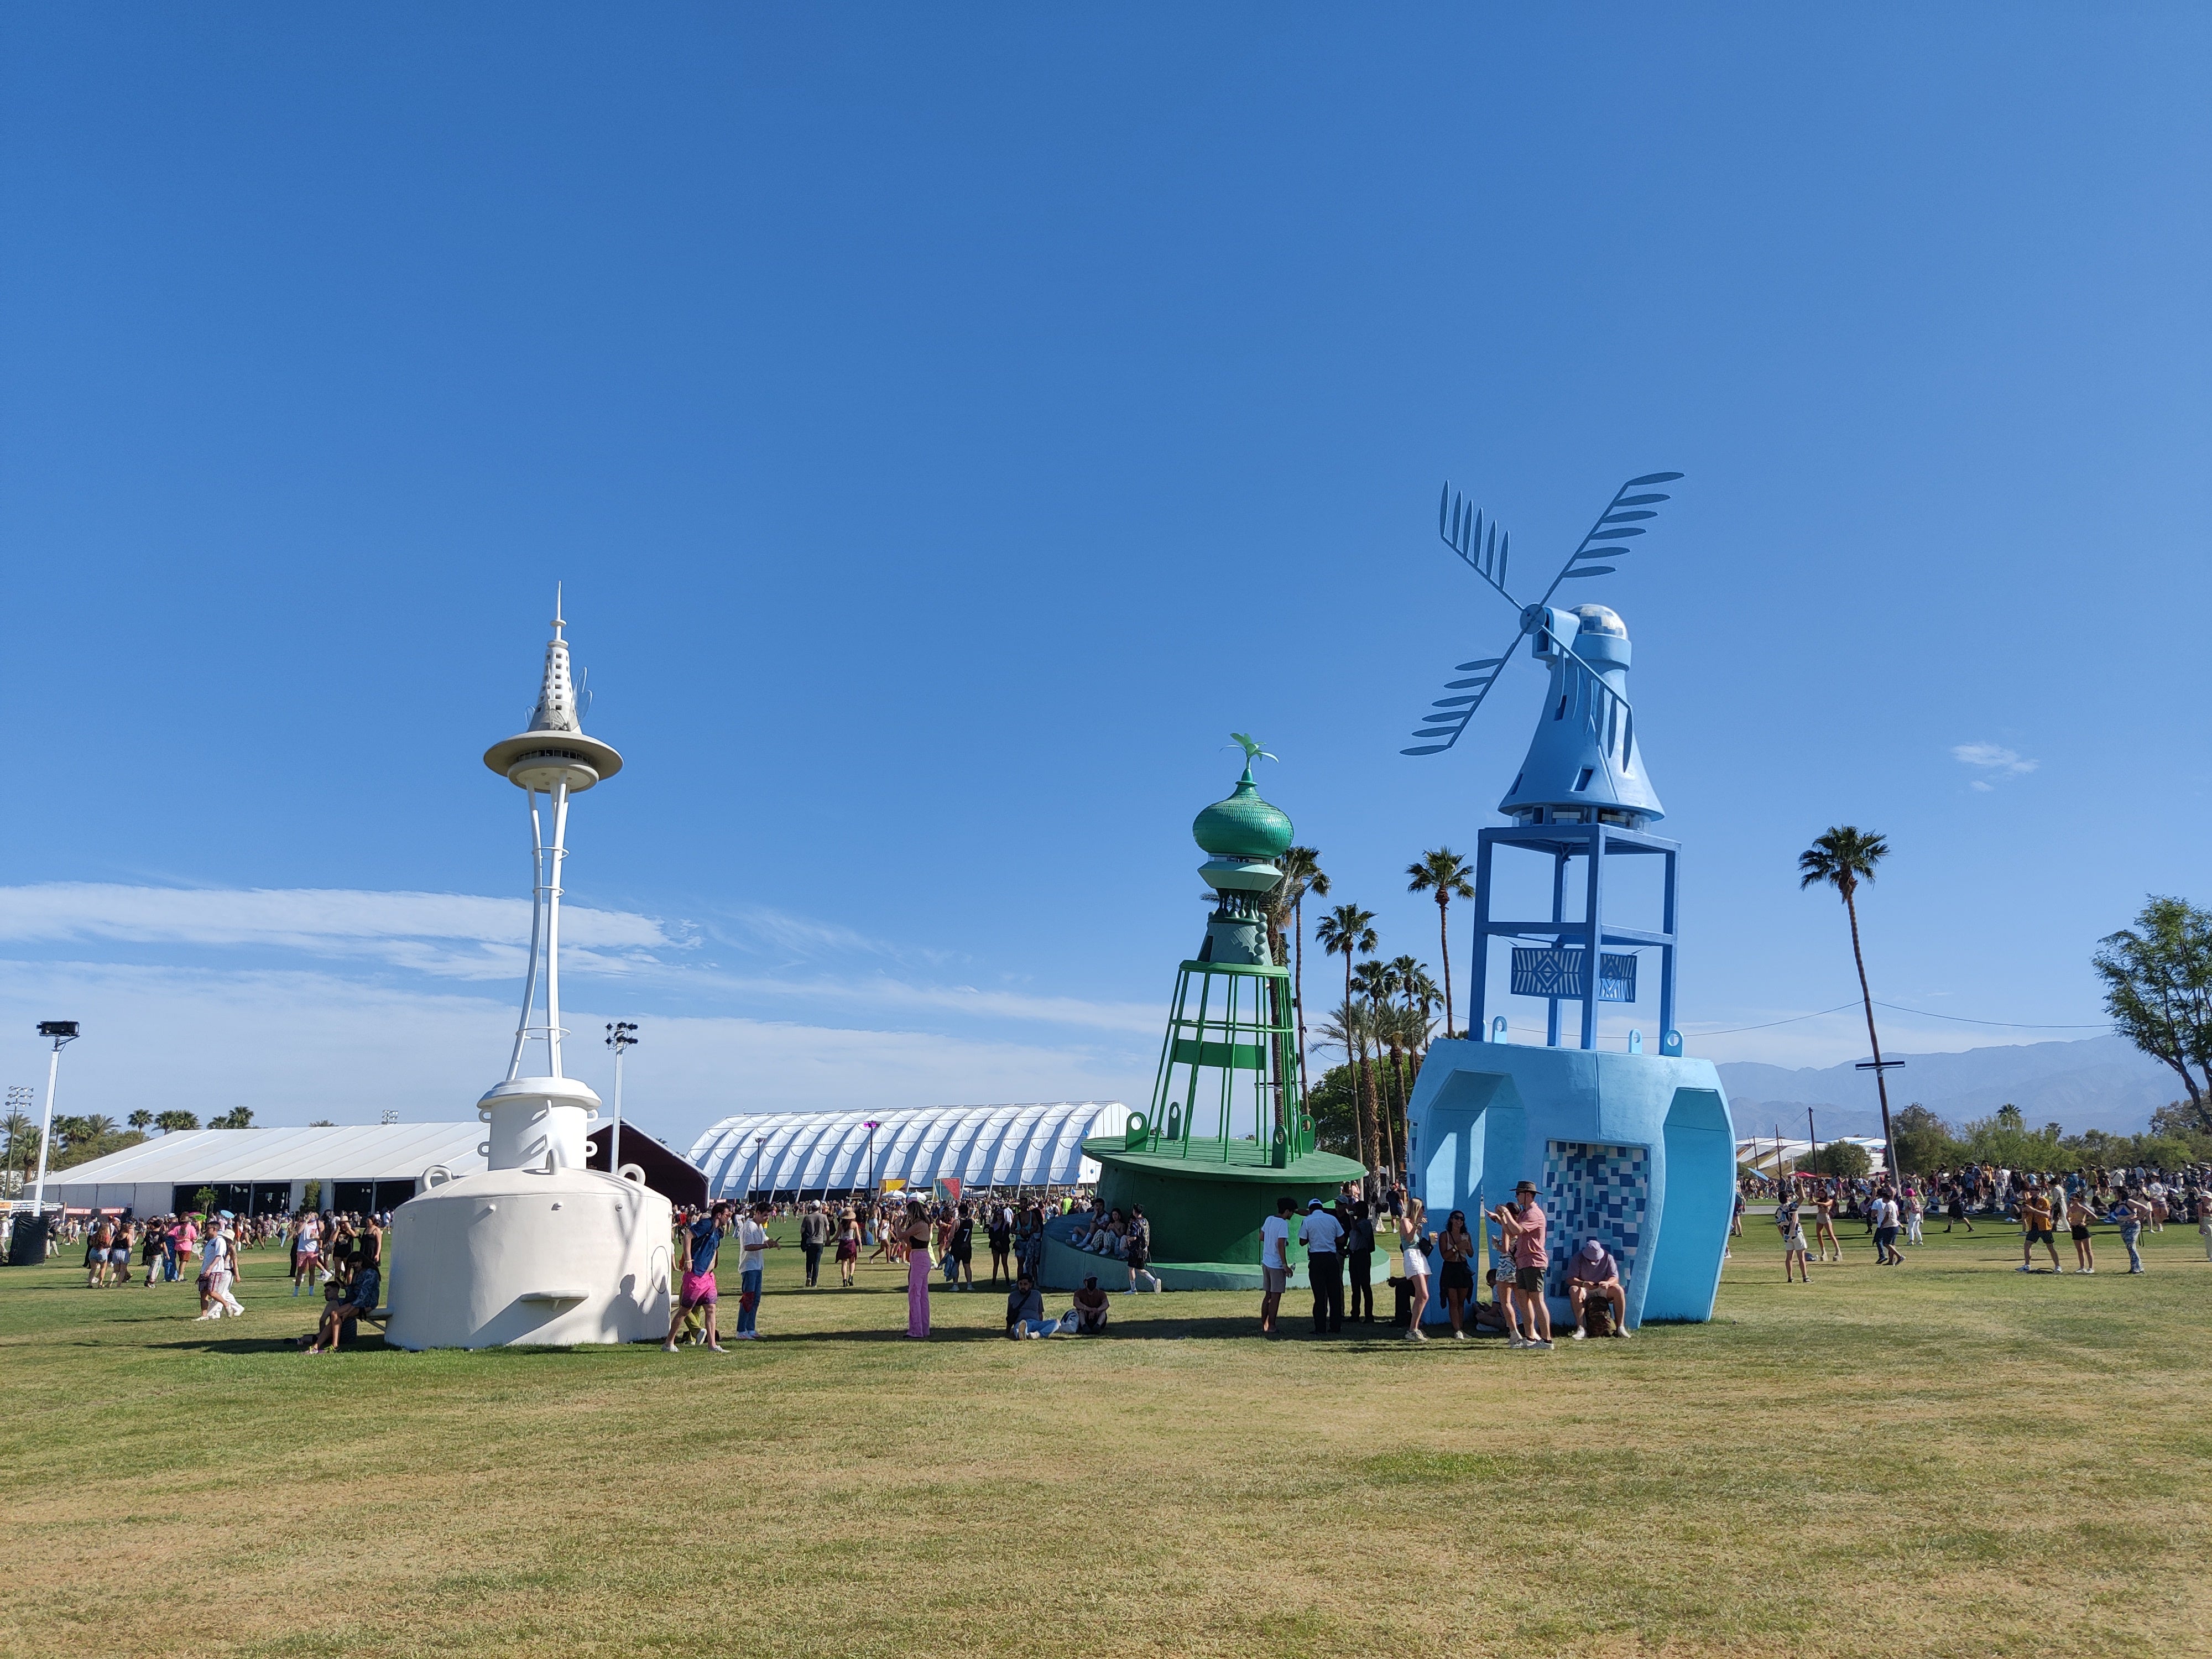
[[1947, 1458]]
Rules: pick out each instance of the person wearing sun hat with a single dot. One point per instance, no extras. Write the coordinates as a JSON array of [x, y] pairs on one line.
[[1524, 1226]]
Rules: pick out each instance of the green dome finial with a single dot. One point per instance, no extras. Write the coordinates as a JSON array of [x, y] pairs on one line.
[[1244, 826]]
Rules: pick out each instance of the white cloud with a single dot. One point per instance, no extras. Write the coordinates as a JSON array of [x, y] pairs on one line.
[[449, 935], [296, 1046], [1993, 761]]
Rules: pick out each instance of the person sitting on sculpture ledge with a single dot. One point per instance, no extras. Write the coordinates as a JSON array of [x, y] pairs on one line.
[[1091, 1308], [1595, 1274], [1088, 1223], [340, 1312]]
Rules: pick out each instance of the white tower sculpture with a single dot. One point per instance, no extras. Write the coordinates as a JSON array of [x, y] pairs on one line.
[[538, 1248]]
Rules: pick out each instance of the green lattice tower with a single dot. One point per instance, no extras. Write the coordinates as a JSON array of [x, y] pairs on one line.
[[1227, 1131]]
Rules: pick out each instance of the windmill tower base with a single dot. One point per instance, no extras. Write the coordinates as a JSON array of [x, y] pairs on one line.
[[1637, 1150]]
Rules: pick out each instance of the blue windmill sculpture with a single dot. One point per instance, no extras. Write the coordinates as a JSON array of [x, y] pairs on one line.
[[1635, 1150], [1582, 791]]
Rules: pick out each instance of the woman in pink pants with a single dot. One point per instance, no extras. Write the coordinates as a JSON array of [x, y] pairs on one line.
[[915, 1234]]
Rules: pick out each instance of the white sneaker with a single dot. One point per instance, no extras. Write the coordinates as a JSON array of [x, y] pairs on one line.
[[1577, 1333], [2023, 1268], [1542, 1342], [1462, 1335], [1516, 1341]]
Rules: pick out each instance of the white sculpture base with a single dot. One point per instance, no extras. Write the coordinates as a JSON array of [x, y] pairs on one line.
[[546, 1257]]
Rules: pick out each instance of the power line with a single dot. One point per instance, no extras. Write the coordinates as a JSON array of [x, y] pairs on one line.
[[1918, 1013]]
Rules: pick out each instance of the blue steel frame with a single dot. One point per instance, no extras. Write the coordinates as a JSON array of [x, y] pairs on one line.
[[1562, 841]]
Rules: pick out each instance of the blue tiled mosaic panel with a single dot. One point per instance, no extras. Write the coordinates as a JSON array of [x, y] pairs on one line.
[[1595, 1191]]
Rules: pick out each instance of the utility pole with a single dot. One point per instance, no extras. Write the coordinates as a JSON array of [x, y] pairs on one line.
[[63, 1031], [618, 1039]]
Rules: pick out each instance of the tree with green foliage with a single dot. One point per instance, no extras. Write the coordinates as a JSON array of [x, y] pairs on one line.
[[2158, 989], [238, 1117], [1348, 931], [1443, 873], [1924, 1142], [1843, 858], [172, 1122], [1846, 1159]]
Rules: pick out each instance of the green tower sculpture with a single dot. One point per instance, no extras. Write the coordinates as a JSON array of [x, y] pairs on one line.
[[1226, 1133]]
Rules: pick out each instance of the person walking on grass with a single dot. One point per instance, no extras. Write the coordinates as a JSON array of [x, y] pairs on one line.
[[914, 1233], [1358, 1261], [2036, 1228], [1915, 1208], [1274, 1261], [1456, 1245], [752, 1241], [218, 1269], [1791, 1223], [698, 1288], [1886, 1224], [1824, 1222], [1525, 1226], [2132, 1212], [1000, 1235], [1322, 1234], [849, 1246], [1413, 1241], [2078, 1217], [813, 1239]]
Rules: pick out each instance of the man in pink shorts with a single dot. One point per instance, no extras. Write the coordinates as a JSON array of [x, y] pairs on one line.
[[701, 1240]]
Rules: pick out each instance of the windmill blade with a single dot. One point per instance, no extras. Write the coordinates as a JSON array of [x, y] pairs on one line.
[[1481, 545], [1447, 716], [1611, 529]]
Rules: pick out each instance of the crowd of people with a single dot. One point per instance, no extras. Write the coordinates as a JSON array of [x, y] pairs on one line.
[[342, 1252], [1897, 1212], [934, 1240]]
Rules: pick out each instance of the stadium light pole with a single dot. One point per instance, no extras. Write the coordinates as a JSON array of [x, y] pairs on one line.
[[61, 1031], [872, 1127], [618, 1039], [752, 1176]]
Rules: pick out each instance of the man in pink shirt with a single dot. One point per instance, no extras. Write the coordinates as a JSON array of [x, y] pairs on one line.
[[1524, 1227]]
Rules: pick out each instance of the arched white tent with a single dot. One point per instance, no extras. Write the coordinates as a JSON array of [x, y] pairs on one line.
[[789, 1154]]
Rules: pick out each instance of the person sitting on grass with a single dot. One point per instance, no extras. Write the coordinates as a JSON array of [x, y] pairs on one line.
[[1026, 1310], [343, 1307], [1593, 1273], [1091, 1308]]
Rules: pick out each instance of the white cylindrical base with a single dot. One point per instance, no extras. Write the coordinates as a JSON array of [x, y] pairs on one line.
[[554, 1258]]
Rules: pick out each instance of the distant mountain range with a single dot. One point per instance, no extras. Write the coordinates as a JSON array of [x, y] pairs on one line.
[[2100, 1083]]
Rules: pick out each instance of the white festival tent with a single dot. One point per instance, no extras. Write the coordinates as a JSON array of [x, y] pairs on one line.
[[360, 1166], [790, 1154], [1762, 1156]]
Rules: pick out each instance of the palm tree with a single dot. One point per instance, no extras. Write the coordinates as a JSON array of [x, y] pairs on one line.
[[1302, 874], [1376, 982], [1844, 858], [22, 1133], [142, 1120], [1442, 872], [1348, 931]]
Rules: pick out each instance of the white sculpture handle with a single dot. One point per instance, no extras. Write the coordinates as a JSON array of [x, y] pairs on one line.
[[436, 1175], [633, 1172]]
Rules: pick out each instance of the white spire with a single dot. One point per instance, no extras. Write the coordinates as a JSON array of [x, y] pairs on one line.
[[556, 694]]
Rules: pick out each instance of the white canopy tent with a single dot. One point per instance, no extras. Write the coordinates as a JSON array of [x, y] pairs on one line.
[[1763, 1156], [789, 1154]]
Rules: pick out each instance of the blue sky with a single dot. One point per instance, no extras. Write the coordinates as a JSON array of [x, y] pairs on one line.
[[950, 424]]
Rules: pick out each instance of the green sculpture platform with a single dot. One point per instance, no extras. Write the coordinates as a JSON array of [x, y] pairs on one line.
[[1227, 1133]]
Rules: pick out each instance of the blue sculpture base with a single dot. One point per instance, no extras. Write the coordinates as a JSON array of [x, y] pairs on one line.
[[1637, 1151]]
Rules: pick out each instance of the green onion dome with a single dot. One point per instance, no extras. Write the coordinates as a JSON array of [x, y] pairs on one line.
[[1244, 826]]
